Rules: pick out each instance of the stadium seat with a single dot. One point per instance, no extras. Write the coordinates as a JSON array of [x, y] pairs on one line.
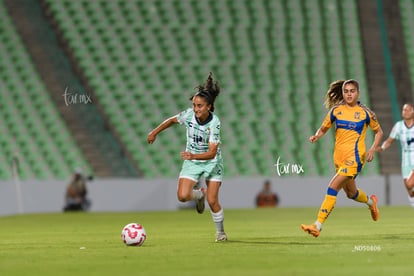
[[32, 124], [272, 58]]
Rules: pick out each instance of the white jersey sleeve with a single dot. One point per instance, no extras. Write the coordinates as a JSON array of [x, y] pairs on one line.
[[215, 132], [184, 115]]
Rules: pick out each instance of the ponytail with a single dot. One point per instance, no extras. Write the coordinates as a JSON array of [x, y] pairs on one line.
[[209, 91], [334, 94]]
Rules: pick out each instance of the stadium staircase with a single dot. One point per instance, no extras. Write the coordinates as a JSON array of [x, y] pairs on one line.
[[89, 129]]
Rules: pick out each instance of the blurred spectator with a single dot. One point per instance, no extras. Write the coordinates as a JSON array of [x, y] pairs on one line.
[[76, 191], [267, 198]]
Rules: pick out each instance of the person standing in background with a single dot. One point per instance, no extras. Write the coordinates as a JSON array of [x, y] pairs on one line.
[[266, 197], [76, 191]]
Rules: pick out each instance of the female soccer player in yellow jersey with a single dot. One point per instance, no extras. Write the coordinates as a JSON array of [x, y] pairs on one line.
[[351, 119], [202, 156]]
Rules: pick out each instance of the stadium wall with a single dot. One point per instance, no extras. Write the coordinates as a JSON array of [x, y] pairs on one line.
[[117, 195]]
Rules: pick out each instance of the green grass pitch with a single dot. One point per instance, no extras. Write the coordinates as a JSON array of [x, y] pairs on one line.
[[261, 242]]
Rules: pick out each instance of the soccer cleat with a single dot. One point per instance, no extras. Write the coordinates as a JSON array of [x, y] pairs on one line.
[[200, 203], [221, 236], [311, 229], [373, 208]]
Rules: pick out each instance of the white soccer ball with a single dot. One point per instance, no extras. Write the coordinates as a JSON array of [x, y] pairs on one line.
[[133, 234]]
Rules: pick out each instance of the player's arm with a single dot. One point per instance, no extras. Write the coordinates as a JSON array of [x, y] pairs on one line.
[[385, 145], [319, 133], [325, 126], [377, 140], [208, 155], [164, 125]]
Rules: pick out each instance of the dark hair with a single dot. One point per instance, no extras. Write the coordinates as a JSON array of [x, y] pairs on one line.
[[209, 91], [334, 94]]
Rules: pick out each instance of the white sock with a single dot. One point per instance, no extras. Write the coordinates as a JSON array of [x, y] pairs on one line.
[[197, 194], [369, 202], [218, 219], [318, 225]]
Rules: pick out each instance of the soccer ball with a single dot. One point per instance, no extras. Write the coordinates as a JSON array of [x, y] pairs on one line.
[[133, 234]]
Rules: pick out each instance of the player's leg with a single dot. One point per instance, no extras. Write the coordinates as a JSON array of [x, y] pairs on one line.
[[185, 189], [189, 176], [212, 194], [355, 193], [409, 184], [214, 179], [186, 192], [359, 195], [408, 177], [337, 182], [217, 212]]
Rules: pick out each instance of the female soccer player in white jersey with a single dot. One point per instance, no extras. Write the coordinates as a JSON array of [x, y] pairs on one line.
[[202, 156], [404, 131]]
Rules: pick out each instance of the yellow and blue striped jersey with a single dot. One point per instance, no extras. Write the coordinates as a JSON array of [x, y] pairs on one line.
[[351, 125]]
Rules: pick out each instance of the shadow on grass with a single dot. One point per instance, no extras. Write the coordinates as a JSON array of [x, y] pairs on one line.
[[398, 237], [270, 241]]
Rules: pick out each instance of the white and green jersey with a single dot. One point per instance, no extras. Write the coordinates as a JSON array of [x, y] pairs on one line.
[[200, 135], [406, 137]]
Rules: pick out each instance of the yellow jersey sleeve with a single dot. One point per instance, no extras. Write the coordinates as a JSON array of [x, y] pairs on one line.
[[329, 118], [373, 121]]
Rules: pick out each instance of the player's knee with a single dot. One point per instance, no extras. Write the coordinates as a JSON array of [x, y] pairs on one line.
[[183, 197], [212, 202]]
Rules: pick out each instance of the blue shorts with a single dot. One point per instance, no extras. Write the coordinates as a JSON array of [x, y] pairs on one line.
[[194, 170]]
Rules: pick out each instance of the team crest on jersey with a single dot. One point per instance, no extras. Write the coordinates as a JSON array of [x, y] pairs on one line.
[[357, 115]]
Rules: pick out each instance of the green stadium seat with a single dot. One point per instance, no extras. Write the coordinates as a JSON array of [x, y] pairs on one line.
[[23, 111], [273, 68]]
